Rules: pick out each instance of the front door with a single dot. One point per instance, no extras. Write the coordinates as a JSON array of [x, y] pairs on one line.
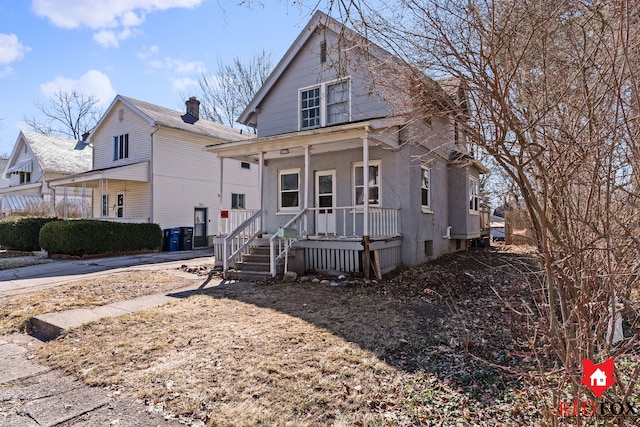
[[200, 228], [325, 201]]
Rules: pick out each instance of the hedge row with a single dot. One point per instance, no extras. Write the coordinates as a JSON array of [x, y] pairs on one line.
[[90, 237], [22, 233]]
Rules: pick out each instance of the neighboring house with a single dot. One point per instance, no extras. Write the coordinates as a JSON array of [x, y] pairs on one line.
[[149, 165], [351, 179], [35, 161], [4, 182]]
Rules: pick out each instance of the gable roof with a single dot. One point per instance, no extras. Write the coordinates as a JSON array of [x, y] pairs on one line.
[[166, 117], [319, 20], [443, 97], [54, 154]]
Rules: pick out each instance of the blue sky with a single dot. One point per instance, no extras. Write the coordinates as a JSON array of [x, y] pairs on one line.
[[153, 50]]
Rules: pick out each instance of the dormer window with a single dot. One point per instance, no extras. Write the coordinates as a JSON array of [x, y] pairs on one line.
[[325, 104]]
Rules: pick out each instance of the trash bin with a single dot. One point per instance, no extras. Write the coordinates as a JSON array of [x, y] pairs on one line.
[[186, 239], [171, 239]]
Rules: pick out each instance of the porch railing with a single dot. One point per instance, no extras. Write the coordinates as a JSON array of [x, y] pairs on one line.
[[347, 221], [234, 218], [278, 246], [237, 242], [337, 222]]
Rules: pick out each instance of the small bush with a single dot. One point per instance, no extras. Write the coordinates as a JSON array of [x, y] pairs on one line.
[[90, 237], [22, 233]]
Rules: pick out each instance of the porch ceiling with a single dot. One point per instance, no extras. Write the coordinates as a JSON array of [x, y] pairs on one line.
[[321, 140], [136, 172]]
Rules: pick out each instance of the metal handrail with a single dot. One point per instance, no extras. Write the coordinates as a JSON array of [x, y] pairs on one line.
[[292, 223], [237, 241]]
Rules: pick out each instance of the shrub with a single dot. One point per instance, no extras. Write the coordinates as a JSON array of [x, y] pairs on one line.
[[90, 237], [22, 233]]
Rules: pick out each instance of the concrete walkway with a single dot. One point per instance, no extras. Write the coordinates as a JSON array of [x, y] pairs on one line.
[[35, 277], [31, 394]]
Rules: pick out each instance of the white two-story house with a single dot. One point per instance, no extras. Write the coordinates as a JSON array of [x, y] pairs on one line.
[[149, 165]]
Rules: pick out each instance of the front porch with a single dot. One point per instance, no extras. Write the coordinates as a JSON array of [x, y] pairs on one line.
[[321, 240]]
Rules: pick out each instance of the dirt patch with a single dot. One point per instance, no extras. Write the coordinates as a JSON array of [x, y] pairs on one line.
[[420, 348]]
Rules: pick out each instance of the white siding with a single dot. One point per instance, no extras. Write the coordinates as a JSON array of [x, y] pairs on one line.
[[136, 200], [132, 123]]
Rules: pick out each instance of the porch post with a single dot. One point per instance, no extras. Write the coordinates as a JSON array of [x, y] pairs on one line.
[[307, 185], [365, 189], [260, 188], [365, 220], [221, 189]]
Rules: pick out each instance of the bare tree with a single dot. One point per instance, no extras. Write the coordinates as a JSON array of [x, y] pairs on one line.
[[68, 114], [227, 91], [553, 90]]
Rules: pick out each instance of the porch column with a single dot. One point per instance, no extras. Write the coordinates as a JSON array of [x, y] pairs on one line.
[[307, 185], [260, 187], [365, 220], [365, 179]]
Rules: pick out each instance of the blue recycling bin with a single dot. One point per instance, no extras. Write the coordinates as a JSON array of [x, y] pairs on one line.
[[171, 239]]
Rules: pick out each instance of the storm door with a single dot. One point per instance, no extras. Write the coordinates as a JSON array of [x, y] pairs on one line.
[[200, 228], [325, 218]]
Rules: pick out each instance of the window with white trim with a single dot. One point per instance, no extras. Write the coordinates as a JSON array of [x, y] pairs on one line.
[[105, 205], [425, 186], [121, 147], [325, 104], [237, 201], [289, 190], [374, 183], [474, 200]]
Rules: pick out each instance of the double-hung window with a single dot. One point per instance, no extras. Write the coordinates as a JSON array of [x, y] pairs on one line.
[[310, 107], [474, 200], [426, 189], [325, 104], [237, 201], [338, 102], [121, 147], [289, 190], [374, 183]]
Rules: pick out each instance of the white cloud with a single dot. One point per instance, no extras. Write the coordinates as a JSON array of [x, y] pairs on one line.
[[147, 53], [109, 38], [92, 83], [176, 65], [11, 49], [183, 83], [115, 15]]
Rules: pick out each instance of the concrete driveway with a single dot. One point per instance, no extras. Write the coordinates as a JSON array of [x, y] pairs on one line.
[[35, 277]]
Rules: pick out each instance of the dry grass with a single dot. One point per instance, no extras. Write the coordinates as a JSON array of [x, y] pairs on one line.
[[303, 354], [15, 311]]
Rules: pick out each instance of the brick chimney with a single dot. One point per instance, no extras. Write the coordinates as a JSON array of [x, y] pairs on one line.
[[193, 110]]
